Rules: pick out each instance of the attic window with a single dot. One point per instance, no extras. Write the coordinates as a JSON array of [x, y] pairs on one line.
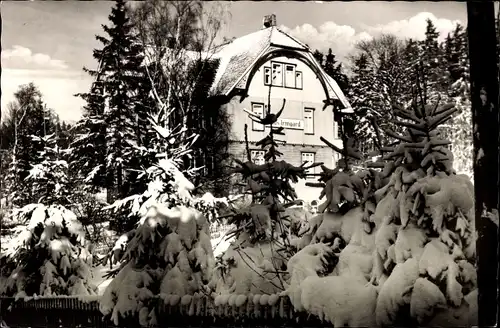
[[283, 75], [277, 74], [290, 76], [267, 75], [298, 80]]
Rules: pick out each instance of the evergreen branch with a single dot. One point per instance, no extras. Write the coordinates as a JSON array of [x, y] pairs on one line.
[[393, 134], [332, 146]]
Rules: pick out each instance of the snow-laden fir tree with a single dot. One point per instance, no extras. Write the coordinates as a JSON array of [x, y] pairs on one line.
[[49, 255], [378, 81], [256, 260], [168, 255], [416, 266], [89, 145], [425, 240], [346, 188], [433, 61], [114, 110], [330, 274]]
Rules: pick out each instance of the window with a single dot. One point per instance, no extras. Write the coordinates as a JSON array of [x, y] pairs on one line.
[[308, 158], [289, 76], [257, 156], [314, 206], [309, 120], [283, 75], [336, 130], [335, 159], [298, 80], [267, 75], [258, 109], [277, 74]]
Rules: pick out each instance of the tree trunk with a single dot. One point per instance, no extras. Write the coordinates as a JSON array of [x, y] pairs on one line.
[[484, 98]]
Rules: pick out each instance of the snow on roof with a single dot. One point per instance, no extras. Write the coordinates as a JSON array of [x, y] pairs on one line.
[[237, 56], [188, 54]]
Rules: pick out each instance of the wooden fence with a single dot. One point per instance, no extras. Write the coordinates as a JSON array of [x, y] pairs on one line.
[[69, 312]]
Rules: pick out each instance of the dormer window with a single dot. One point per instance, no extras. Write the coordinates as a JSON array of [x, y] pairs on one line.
[[267, 75], [290, 76], [283, 75], [277, 74], [298, 80]]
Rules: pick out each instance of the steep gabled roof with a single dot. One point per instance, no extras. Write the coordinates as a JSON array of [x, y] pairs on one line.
[[239, 56]]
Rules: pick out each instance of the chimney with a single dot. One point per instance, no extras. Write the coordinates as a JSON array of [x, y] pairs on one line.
[[269, 21]]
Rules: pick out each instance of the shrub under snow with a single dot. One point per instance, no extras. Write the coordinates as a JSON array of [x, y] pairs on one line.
[[341, 300], [49, 256], [170, 253]]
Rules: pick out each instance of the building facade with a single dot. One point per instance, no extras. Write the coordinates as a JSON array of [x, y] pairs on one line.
[[260, 70]]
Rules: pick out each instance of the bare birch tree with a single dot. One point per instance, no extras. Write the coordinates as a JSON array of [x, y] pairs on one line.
[[180, 41], [176, 34]]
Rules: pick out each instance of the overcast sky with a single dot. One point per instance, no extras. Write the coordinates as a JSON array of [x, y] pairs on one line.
[[49, 42]]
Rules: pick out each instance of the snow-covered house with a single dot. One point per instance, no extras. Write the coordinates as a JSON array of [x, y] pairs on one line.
[[267, 66]]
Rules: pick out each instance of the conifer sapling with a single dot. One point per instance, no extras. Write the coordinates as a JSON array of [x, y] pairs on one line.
[[425, 239]]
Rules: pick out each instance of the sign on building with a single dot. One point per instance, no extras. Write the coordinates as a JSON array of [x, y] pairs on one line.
[[290, 124]]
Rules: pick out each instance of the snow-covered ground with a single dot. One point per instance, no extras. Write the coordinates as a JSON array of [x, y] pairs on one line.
[[98, 279]]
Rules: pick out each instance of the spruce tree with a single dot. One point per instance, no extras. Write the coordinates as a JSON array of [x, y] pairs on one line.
[[334, 69], [89, 145], [49, 254], [318, 56], [459, 129], [425, 227], [119, 75], [377, 85], [432, 61], [362, 101], [263, 230], [167, 249]]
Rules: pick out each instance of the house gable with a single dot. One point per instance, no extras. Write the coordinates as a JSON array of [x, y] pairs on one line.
[[240, 59]]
